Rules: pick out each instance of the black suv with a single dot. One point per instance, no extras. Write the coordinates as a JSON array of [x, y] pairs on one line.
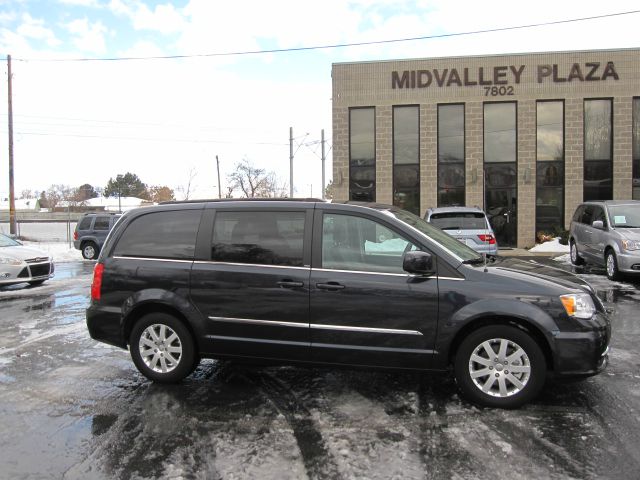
[[91, 232], [359, 285]]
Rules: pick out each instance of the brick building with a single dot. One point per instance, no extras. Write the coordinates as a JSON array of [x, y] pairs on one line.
[[526, 137]]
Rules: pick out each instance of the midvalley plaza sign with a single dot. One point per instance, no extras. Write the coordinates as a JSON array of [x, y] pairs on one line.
[[503, 76]]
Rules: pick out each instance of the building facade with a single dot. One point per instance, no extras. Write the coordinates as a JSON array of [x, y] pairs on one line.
[[526, 137]]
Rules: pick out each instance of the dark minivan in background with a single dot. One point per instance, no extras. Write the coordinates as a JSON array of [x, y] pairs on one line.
[[349, 285], [91, 231]]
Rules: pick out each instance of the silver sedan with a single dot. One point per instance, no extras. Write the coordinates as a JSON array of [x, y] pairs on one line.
[[20, 264]]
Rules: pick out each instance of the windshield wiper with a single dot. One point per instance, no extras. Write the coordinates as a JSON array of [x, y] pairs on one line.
[[473, 261]]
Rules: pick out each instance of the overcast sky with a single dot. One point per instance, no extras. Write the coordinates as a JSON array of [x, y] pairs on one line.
[[79, 122]]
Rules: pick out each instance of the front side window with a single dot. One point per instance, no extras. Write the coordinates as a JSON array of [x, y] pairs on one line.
[[451, 176], [362, 154], [166, 235], [359, 244], [259, 238], [406, 157], [598, 151]]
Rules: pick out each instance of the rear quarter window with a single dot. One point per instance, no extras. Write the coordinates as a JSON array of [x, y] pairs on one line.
[[85, 223], [166, 235]]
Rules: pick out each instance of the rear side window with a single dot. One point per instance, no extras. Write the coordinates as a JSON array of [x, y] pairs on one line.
[[577, 216], [101, 223], [459, 221], [170, 235], [85, 223], [263, 238]]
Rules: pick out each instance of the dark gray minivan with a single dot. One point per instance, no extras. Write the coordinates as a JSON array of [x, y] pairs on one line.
[[332, 284]]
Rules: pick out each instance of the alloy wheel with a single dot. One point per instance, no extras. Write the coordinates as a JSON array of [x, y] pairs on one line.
[[160, 348]]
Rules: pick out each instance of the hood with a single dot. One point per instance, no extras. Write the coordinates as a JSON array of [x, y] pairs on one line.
[[629, 233], [20, 252], [543, 272]]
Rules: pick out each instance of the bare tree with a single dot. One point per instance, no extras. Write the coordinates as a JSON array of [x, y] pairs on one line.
[[255, 182], [186, 191]]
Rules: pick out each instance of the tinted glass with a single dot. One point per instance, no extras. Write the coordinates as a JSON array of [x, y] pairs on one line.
[[550, 131], [636, 148], [360, 244], [406, 190], [597, 129], [500, 132], [362, 152], [170, 235], [577, 216], [598, 180], [501, 176], [450, 133], [261, 237], [598, 214], [587, 214], [85, 223], [450, 176], [102, 223], [449, 197], [459, 221], [406, 135]]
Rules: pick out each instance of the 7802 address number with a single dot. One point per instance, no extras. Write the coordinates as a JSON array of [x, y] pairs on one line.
[[498, 91]]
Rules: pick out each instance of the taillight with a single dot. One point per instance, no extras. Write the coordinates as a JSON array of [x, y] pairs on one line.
[[96, 285], [75, 235], [488, 238]]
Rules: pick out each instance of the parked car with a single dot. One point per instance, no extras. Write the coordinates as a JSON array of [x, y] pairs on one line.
[[91, 231], [20, 264], [356, 285], [607, 233], [467, 224]]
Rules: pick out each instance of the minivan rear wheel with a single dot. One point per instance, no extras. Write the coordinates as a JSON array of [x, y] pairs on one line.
[[500, 366], [575, 256], [162, 348]]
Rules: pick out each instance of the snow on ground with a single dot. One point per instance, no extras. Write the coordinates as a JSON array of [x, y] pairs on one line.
[[566, 258], [552, 246]]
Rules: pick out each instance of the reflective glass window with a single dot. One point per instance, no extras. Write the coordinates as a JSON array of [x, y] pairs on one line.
[[549, 166], [260, 237], [636, 148], [362, 154], [500, 132], [598, 153], [406, 157], [451, 148]]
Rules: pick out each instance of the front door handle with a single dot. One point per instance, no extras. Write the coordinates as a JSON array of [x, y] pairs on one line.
[[289, 284], [331, 286]]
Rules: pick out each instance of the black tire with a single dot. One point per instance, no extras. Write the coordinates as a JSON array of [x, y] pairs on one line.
[[611, 265], [162, 355], [505, 388], [35, 283], [90, 251], [576, 259]]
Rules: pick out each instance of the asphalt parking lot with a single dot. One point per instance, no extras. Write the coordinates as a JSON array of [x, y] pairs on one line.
[[73, 408]]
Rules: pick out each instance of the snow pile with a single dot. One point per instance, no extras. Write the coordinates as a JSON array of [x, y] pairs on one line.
[[60, 251], [552, 246]]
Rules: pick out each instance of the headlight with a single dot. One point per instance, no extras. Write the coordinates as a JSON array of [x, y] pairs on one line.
[[631, 244], [578, 305], [10, 261]]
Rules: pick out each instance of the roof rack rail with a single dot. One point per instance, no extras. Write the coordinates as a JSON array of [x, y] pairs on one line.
[[255, 199]]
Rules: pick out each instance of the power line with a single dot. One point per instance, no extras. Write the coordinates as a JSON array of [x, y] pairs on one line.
[[337, 45]]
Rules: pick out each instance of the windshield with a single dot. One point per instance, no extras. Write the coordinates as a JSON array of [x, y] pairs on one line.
[[447, 241], [459, 220], [7, 242], [625, 216]]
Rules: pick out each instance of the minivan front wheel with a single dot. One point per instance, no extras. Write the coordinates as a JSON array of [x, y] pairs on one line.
[[611, 262], [575, 256], [162, 348], [500, 366]]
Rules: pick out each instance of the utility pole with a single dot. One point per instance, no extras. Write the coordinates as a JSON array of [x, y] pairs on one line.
[[12, 199], [290, 162], [323, 159], [219, 186]]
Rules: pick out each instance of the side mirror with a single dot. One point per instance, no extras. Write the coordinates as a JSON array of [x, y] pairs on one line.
[[598, 224], [418, 263]]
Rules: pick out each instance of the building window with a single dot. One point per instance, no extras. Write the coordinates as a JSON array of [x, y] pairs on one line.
[[451, 177], [362, 154], [636, 148], [598, 150], [549, 166], [406, 158], [501, 170]]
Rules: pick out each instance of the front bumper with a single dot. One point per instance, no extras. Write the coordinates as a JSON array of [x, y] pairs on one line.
[[26, 272], [629, 262], [584, 353]]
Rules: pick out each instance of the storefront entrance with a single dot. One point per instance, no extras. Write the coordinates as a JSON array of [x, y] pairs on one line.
[[501, 202]]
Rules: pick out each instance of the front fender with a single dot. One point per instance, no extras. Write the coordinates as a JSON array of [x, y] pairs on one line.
[[526, 311]]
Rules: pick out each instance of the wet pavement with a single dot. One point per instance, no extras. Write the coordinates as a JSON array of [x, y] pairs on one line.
[[73, 408]]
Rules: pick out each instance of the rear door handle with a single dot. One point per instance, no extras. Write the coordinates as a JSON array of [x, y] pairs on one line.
[[289, 284], [331, 286]]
